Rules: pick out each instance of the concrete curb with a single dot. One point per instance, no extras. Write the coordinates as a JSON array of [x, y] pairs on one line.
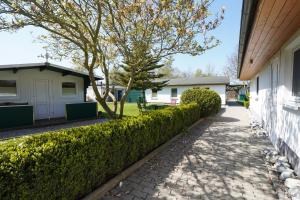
[[102, 190]]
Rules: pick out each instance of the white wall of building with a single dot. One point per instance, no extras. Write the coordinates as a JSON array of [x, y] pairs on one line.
[[55, 102], [274, 105], [164, 95], [91, 96]]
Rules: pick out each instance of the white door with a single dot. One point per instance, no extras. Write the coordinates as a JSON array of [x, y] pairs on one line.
[[41, 94]]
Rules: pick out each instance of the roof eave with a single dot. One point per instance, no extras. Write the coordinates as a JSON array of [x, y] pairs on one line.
[[247, 19], [198, 84], [48, 66]]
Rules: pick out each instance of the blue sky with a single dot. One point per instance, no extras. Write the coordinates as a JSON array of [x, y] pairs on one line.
[[21, 47], [228, 32]]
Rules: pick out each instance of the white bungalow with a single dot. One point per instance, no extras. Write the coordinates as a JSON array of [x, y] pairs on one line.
[[172, 92], [46, 87]]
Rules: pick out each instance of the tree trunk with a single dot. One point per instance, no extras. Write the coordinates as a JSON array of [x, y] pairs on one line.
[[115, 102], [99, 98], [144, 98], [124, 97], [122, 104], [110, 113]]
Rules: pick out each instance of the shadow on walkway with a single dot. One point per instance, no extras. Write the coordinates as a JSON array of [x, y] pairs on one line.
[[217, 159]]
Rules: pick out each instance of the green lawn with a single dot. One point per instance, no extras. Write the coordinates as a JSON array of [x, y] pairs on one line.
[[130, 109]]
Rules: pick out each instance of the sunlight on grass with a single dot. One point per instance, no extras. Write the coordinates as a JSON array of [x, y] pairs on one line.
[[130, 109]]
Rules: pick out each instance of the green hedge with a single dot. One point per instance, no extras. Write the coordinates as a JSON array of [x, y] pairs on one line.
[[69, 164], [209, 100], [246, 104]]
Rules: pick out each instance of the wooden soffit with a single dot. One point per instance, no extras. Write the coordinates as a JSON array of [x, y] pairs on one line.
[[275, 22]]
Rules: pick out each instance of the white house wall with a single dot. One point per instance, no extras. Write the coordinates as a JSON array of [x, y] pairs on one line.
[[25, 88], [273, 106], [164, 95], [91, 96]]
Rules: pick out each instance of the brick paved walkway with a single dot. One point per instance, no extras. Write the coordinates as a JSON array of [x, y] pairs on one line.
[[217, 159]]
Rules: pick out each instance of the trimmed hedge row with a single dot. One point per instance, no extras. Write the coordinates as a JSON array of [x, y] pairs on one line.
[[208, 100], [69, 164]]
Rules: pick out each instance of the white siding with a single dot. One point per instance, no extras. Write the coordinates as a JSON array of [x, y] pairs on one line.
[[91, 96], [25, 88], [271, 105], [164, 95]]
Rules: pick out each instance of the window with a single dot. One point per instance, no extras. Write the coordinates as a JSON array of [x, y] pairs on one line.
[[154, 93], [257, 85], [174, 92], [8, 88], [296, 74], [68, 89]]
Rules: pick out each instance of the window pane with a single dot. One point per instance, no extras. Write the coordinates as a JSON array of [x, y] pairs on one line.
[[174, 92], [154, 93], [8, 88], [68, 88], [296, 73]]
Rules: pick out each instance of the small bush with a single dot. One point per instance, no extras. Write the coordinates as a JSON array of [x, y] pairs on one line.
[[70, 163], [246, 104], [209, 100]]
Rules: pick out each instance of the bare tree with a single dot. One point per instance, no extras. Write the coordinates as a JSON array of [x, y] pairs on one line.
[[231, 67], [199, 73], [210, 70]]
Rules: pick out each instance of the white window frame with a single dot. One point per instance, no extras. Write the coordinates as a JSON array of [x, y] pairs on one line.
[[61, 89], [292, 102], [17, 89]]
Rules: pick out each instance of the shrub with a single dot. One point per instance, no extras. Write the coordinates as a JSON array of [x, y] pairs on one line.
[[70, 163], [209, 100], [246, 104]]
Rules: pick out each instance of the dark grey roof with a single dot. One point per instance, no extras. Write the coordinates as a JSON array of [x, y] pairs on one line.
[[210, 80], [42, 66]]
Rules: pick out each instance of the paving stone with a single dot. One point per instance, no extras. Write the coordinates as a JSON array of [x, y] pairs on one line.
[[218, 159], [139, 194]]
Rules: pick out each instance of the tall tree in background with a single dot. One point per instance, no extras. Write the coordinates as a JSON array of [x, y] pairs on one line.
[[147, 78], [171, 72], [210, 70], [100, 34], [167, 69], [199, 73], [231, 67]]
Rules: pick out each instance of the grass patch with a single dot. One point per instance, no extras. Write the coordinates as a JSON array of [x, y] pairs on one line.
[[130, 109]]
